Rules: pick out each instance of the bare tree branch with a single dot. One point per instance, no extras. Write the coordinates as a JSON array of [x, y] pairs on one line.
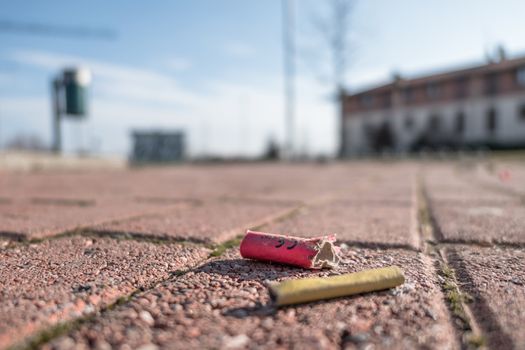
[[333, 27]]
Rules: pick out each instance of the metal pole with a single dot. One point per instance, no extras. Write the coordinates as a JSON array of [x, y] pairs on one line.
[[57, 135], [289, 73]]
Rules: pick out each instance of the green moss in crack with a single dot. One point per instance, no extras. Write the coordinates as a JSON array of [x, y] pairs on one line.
[[476, 341], [47, 335], [447, 272], [454, 297], [424, 216], [178, 273], [219, 249]]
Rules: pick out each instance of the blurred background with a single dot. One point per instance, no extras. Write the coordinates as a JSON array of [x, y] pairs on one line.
[[166, 81]]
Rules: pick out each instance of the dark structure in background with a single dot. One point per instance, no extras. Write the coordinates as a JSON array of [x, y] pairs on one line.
[[482, 106], [69, 99], [70, 79], [158, 146]]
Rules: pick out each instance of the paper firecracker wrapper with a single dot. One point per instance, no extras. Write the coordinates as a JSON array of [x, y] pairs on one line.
[[310, 253], [320, 288]]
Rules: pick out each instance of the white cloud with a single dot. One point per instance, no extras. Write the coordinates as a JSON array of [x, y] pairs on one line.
[[178, 64], [114, 80], [222, 117]]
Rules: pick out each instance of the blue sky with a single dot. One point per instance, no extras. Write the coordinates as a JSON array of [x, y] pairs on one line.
[[214, 67]]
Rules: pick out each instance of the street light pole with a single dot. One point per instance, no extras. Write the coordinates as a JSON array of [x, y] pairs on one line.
[[289, 74]]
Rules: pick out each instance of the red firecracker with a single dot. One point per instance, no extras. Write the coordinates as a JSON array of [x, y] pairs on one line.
[[310, 253]]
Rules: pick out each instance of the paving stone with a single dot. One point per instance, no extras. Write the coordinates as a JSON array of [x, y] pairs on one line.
[[216, 220], [371, 182], [63, 184], [271, 181], [480, 221], [466, 211], [225, 304], [495, 279], [389, 222], [35, 205], [445, 182], [188, 181], [37, 219], [370, 190], [181, 181], [507, 176], [58, 280], [40, 204]]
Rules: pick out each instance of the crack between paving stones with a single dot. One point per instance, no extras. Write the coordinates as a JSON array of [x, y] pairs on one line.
[[48, 334], [219, 248], [22, 239], [378, 245], [427, 231], [14, 237], [115, 235], [468, 331], [62, 328], [437, 245], [168, 200], [489, 322], [62, 202], [457, 300], [237, 199], [17, 239], [481, 244]]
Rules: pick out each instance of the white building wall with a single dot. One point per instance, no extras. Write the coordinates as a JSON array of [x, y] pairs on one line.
[[510, 128], [475, 128], [354, 138]]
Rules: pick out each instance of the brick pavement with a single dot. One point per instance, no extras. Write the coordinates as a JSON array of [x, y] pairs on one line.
[[224, 301], [58, 280], [224, 219], [121, 258], [495, 278]]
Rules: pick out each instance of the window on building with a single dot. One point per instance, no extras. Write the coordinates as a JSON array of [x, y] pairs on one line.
[[433, 90], [408, 94], [409, 122], [491, 83], [520, 76], [461, 87], [434, 123], [386, 100], [366, 100], [521, 112], [492, 120], [460, 122]]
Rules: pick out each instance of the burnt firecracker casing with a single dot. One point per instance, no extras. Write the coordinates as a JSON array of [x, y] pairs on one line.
[[304, 290], [310, 253]]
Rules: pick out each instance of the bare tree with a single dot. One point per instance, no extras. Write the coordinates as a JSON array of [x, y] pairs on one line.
[[333, 28], [26, 142]]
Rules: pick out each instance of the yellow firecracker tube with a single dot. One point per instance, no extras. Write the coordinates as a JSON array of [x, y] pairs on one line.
[[320, 288]]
